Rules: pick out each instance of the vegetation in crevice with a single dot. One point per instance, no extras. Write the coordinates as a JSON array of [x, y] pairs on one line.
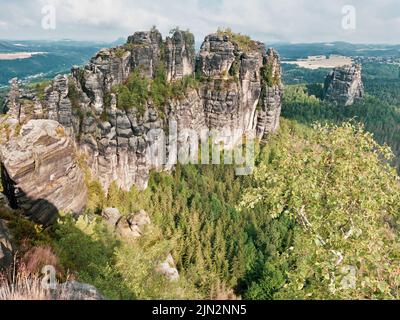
[[139, 91], [244, 42], [268, 75]]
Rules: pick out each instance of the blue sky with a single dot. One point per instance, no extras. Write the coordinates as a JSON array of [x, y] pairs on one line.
[[377, 21]]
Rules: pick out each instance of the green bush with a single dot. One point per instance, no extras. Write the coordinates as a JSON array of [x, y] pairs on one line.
[[138, 91], [336, 186], [245, 43]]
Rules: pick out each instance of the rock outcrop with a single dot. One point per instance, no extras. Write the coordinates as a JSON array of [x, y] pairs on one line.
[[146, 51], [133, 227], [168, 269], [344, 85], [238, 91], [180, 55], [6, 248], [73, 290], [40, 173]]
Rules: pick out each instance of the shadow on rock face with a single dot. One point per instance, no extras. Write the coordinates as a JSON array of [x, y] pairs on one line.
[[40, 170], [39, 211]]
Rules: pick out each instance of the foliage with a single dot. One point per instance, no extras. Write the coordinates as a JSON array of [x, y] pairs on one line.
[[138, 91], [25, 233], [344, 200], [119, 268], [119, 52], [40, 87], [380, 70], [74, 95], [86, 248], [245, 43], [214, 242], [134, 93], [293, 74], [2, 99], [137, 259], [268, 76]]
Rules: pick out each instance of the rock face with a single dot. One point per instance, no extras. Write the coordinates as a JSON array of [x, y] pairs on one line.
[[40, 173], [146, 51], [6, 248], [238, 92], [344, 85], [179, 55], [73, 290], [133, 227], [168, 269]]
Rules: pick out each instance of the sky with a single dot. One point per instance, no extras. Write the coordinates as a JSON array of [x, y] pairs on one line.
[[295, 21]]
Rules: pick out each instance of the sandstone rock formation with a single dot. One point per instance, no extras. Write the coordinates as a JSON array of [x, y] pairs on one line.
[[239, 92], [73, 290], [344, 85], [168, 269], [133, 227], [40, 173], [179, 55], [146, 51], [6, 248]]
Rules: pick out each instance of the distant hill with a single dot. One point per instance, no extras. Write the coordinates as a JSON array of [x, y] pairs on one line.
[[303, 50], [59, 57]]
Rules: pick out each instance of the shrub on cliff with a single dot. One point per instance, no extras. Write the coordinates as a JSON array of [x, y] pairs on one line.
[[245, 43], [139, 91]]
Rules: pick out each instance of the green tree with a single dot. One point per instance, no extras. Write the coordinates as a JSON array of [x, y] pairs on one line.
[[338, 188]]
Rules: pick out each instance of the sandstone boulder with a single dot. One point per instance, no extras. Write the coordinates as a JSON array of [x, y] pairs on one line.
[[40, 172], [112, 216], [133, 225], [73, 290], [168, 269]]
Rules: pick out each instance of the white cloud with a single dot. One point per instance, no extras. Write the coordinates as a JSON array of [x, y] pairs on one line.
[[268, 20]]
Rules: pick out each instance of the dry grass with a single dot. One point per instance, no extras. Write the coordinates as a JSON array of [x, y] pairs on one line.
[[221, 292], [24, 285], [60, 131], [37, 257], [24, 280]]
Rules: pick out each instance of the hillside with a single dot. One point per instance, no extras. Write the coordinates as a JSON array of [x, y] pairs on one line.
[[57, 57]]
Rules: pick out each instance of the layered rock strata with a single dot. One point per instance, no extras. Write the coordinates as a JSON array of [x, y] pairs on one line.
[[40, 172], [343, 86], [238, 91]]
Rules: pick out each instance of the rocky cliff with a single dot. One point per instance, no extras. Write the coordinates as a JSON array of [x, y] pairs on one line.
[[344, 85], [237, 90], [40, 172]]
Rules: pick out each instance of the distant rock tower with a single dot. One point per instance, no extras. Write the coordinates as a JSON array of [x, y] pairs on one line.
[[343, 86]]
